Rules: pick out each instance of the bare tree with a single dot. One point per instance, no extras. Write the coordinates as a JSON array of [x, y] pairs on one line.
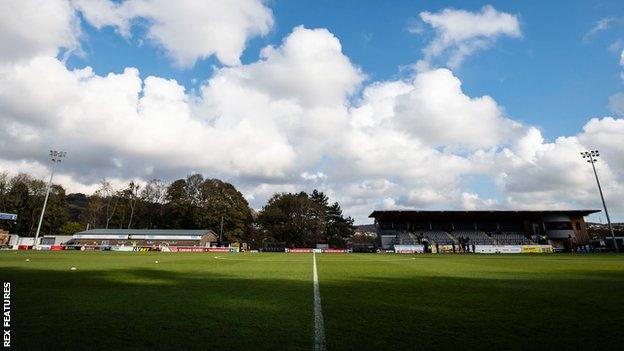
[[4, 189], [132, 192], [153, 194], [194, 188], [154, 191], [111, 198], [94, 210]]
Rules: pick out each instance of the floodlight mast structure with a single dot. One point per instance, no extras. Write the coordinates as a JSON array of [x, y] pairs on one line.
[[55, 157], [591, 158]]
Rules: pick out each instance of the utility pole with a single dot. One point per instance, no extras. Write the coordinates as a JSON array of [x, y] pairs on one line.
[[591, 158], [55, 157]]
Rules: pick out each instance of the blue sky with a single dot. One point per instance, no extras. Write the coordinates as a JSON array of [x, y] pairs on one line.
[[394, 104]]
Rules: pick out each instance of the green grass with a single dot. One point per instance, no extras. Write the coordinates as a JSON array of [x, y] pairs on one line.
[[264, 301]]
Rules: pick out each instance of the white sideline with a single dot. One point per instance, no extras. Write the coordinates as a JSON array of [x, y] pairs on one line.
[[319, 328]]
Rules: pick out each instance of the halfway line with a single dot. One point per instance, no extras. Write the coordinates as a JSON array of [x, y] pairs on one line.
[[319, 329]]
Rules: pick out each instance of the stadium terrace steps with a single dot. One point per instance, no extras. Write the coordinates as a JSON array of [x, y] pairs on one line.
[[476, 237], [406, 238], [439, 237], [451, 237], [511, 238]]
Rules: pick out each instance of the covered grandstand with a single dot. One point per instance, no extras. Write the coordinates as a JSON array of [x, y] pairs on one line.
[[144, 237], [502, 227]]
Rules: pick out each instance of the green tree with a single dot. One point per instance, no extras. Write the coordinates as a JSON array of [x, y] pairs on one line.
[[302, 219], [24, 196], [292, 218], [71, 228], [220, 201], [338, 229], [179, 207], [56, 211]]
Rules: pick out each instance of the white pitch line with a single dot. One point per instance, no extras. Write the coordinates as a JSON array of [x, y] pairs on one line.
[[319, 328]]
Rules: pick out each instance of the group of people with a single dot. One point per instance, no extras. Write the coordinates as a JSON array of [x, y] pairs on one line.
[[464, 244]]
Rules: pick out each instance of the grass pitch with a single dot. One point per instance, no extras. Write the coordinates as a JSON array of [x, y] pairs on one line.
[[265, 301]]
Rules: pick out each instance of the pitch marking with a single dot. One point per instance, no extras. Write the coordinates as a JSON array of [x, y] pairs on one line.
[[319, 328]]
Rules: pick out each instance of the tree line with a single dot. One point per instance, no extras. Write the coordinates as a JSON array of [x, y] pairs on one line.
[[194, 202]]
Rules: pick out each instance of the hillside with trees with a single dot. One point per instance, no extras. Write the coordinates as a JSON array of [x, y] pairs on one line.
[[193, 202]]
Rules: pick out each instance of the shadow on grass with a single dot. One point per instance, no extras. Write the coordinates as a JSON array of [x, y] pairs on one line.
[[441, 312], [160, 309], [156, 309]]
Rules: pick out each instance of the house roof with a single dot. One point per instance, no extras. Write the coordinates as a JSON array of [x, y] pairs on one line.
[[481, 214], [172, 232]]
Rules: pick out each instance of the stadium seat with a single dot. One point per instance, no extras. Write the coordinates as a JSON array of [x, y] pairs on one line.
[[438, 237], [476, 237], [511, 238]]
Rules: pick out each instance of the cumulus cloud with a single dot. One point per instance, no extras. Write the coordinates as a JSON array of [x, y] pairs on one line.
[[253, 122], [36, 27], [187, 30], [460, 33]]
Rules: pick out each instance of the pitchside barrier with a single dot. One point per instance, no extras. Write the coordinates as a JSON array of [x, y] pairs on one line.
[[310, 250], [513, 248], [491, 249], [409, 249], [131, 248], [401, 249]]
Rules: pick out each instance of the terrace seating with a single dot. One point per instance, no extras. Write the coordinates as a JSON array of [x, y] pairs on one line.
[[406, 238], [438, 237], [511, 238], [476, 237]]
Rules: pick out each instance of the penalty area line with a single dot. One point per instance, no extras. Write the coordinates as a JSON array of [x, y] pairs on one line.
[[319, 328]]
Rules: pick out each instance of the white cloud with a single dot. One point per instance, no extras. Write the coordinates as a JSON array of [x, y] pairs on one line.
[[241, 123], [308, 68], [318, 176], [554, 175], [187, 30], [472, 201], [607, 135], [437, 112], [36, 27], [459, 33], [600, 26], [622, 63]]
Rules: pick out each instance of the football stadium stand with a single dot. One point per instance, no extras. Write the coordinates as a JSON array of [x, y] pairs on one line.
[[502, 227], [475, 237], [439, 237], [511, 238], [406, 238]]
